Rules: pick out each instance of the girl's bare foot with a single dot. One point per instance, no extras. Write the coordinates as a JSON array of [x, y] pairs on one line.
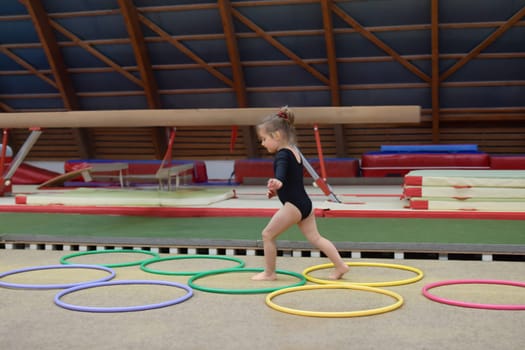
[[263, 276], [339, 272]]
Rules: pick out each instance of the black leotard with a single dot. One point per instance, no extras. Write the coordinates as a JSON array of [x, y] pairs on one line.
[[290, 173]]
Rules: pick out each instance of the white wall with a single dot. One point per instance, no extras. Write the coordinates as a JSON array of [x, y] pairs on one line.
[[219, 169]]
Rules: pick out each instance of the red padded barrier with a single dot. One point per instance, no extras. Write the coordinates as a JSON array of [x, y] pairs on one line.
[[508, 162], [383, 165], [252, 168], [263, 168]]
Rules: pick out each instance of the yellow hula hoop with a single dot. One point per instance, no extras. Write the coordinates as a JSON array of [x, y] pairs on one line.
[[419, 275], [369, 312]]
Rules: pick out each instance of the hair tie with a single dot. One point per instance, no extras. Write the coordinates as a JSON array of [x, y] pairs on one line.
[[283, 115]]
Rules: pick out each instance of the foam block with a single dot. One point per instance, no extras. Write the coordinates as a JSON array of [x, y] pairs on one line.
[[516, 162], [263, 168], [429, 148], [399, 164]]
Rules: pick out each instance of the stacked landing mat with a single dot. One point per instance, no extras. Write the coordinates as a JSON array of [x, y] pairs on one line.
[[484, 190], [125, 197]]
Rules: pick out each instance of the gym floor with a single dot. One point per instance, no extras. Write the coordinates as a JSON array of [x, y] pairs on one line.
[[30, 318]]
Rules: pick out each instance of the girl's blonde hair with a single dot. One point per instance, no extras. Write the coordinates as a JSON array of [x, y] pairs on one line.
[[282, 121]]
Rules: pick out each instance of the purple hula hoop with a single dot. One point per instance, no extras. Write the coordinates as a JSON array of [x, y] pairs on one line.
[[430, 296], [54, 286], [123, 308]]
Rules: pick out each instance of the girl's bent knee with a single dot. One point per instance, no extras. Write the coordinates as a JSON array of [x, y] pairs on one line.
[[267, 235]]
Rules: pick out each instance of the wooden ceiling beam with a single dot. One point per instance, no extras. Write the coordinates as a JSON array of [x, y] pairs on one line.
[[330, 51], [27, 66], [181, 47], [131, 20], [249, 139], [233, 52], [435, 84], [6, 108], [79, 42], [287, 52], [274, 2], [133, 26], [47, 37], [484, 44], [45, 32], [340, 139], [378, 42]]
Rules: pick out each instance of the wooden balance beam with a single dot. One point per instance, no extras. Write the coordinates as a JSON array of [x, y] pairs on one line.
[[209, 117]]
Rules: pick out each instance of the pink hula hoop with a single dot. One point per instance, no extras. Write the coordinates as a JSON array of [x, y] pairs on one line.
[[430, 296]]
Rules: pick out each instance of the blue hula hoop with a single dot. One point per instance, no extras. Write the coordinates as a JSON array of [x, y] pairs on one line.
[[54, 286], [64, 305]]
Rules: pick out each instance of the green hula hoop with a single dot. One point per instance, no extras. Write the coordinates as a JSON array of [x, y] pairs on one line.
[[65, 258], [419, 275], [144, 265], [192, 284], [369, 312]]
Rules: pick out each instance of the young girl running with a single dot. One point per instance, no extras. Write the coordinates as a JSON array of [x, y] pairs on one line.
[[277, 135]]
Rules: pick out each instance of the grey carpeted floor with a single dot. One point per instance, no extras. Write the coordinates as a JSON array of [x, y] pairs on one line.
[[30, 319]]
